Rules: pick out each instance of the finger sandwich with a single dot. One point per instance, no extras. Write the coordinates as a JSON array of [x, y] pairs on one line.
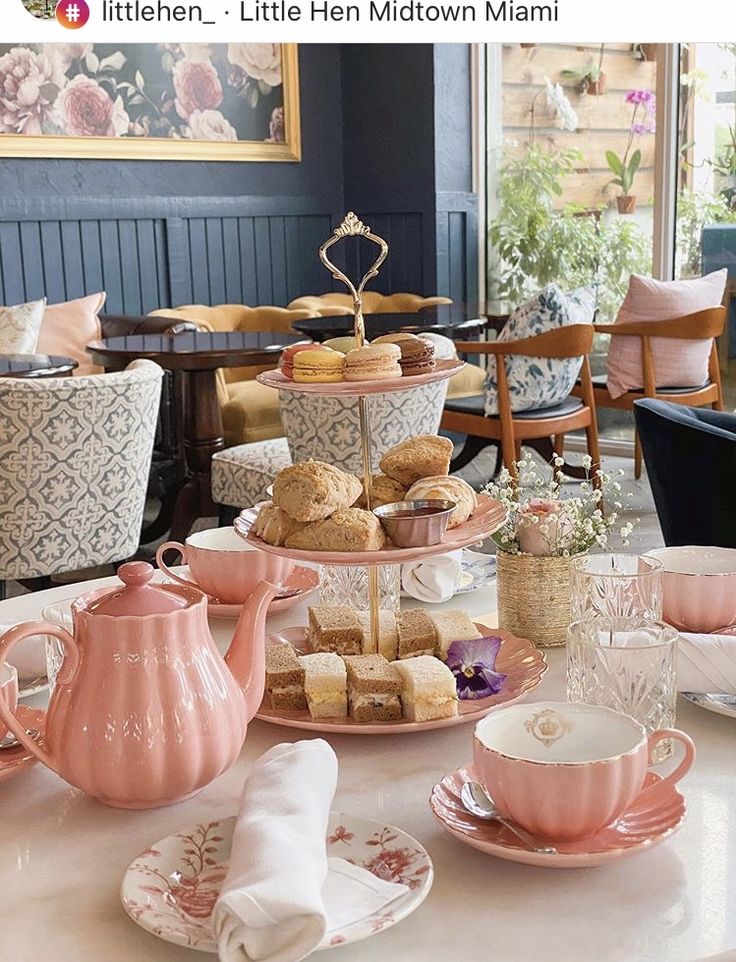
[[416, 634], [284, 679], [429, 689], [325, 684], [388, 637], [374, 689], [451, 626], [334, 628]]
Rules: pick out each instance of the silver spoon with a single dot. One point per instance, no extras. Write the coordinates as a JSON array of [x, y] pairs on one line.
[[10, 741], [477, 801]]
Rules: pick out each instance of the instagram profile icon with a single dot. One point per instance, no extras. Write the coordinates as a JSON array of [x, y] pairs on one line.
[[72, 14]]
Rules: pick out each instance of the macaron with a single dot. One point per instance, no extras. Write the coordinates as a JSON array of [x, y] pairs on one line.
[[341, 344], [286, 363], [319, 366], [417, 355], [373, 362], [444, 348]]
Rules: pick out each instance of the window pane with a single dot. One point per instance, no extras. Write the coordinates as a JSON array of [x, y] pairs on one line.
[[570, 175], [706, 203]]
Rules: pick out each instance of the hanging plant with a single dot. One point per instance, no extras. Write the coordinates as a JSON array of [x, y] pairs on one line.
[[591, 79], [625, 168]]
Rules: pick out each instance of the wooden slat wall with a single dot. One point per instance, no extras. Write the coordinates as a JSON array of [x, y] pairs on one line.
[[150, 254], [603, 121]]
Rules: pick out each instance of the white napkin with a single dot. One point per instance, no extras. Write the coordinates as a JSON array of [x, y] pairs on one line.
[[706, 663], [278, 900], [433, 579], [29, 657]]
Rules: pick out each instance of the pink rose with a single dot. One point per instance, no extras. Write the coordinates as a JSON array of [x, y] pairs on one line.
[[261, 61], [85, 109], [210, 125], [538, 527], [276, 127], [197, 87], [24, 107]]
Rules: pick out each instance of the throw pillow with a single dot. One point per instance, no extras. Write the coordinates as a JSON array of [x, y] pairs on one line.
[[536, 382], [67, 329], [677, 363], [19, 327]]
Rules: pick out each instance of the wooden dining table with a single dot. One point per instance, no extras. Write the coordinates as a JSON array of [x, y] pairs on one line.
[[63, 855]]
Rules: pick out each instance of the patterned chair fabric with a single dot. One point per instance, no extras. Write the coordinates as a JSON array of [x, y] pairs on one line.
[[75, 455], [326, 429], [240, 475]]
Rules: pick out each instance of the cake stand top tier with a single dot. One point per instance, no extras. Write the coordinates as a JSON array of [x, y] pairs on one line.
[[443, 371], [488, 518]]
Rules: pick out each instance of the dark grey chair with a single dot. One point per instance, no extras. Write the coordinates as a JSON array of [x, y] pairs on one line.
[[690, 455]]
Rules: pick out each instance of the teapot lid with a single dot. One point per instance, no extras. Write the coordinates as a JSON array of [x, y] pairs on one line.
[[138, 597]]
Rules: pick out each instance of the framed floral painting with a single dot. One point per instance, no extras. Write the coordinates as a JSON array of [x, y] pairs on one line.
[[140, 101]]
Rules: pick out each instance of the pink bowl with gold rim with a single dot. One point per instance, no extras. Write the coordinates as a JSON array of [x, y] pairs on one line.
[[698, 587]]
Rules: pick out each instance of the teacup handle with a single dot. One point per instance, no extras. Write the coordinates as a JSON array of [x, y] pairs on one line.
[[174, 546], [65, 676], [685, 765]]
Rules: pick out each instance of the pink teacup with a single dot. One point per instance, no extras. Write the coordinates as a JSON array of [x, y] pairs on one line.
[[8, 690], [563, 771], [224, 566], [698, 587]]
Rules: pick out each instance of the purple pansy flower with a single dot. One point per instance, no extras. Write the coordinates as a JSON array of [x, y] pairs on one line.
[[473, 665]]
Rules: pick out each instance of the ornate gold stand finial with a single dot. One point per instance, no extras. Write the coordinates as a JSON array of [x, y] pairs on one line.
[[352, 226]]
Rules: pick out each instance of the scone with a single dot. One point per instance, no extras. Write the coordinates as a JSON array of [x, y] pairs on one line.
[[383, 491], [312, 490], [443, 488], [424, 456], [350, 529], [273, 525]]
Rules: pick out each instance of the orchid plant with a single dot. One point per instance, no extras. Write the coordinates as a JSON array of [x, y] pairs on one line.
[[642, 122], [541, 521]]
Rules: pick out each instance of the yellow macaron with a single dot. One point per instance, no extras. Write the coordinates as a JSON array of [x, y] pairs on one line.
[[319, 367], [341, 344]]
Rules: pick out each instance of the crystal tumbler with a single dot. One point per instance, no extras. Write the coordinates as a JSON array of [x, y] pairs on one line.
[[616, 586]]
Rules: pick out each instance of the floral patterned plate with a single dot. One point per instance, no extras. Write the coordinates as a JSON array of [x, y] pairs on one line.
[[171, 888], [520, 660]]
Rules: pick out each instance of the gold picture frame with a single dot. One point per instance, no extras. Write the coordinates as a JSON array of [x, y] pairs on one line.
[[162, 148]]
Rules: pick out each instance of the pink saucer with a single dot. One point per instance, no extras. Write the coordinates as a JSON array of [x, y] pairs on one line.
[[443, 371], [521, 662], [305, 580], [14, 760], [649, 820]]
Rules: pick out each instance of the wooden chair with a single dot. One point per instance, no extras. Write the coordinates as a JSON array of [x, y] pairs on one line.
[[535, 428], [702, 324]]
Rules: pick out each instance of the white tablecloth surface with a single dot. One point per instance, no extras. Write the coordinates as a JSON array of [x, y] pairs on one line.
[[63, 855]]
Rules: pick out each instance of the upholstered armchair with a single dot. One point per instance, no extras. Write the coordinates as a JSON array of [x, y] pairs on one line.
[[75, 455], [329, 305], [690, 455], [250, 411]]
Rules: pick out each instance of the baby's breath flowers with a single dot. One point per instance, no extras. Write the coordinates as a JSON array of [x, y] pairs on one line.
[[542, 522]]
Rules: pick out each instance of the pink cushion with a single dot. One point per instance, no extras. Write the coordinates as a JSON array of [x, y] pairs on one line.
[[68, 328], [677, 363]]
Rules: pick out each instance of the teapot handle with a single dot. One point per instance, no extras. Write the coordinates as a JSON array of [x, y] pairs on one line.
[[65, 676]]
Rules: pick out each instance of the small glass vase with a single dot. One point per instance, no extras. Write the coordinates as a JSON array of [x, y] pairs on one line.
[[348, 585]]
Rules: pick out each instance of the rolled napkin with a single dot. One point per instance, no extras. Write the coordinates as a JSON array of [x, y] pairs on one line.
[[706, 663], [433, 579], [282, 894]]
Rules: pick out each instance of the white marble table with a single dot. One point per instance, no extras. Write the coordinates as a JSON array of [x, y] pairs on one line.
[[62, 855]]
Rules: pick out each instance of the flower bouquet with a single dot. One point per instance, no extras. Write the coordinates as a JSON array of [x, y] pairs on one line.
[[542, 532]]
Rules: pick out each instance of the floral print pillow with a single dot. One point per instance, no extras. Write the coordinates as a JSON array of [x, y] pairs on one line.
[[540, 382], [20, 327]]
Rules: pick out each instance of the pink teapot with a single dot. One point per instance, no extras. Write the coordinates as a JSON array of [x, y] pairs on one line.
[[145, 712]]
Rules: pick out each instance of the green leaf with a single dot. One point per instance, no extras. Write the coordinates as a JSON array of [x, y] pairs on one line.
[[614, 162], [634, 162]]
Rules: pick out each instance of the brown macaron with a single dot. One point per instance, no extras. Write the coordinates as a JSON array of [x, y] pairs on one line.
[[417, 356]]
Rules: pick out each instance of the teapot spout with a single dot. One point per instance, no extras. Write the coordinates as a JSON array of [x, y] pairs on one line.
[[246, 656]]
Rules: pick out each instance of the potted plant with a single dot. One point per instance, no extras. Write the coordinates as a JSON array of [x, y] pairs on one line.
[[542, 533], [645, 51], [591, 79], [625, 167]]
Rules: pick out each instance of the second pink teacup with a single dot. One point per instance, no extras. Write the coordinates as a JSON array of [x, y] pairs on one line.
[[8, 690], [224, 566], [563, 771]]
